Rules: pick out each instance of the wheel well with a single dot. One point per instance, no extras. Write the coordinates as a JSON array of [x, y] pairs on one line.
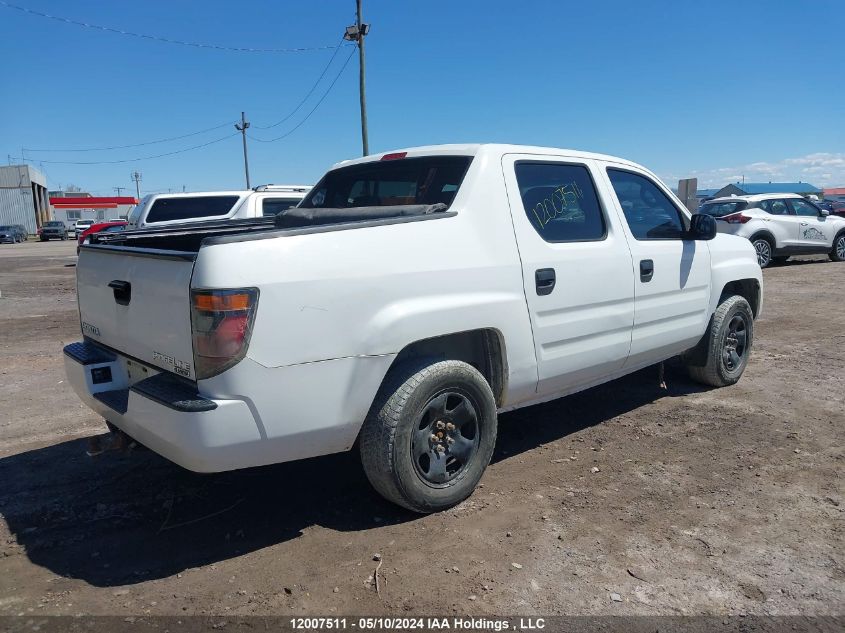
[[749, 289], [765, 234], [484, 349]]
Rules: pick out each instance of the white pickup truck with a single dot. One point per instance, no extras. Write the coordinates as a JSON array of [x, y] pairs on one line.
[[409, 298], [167, 209]]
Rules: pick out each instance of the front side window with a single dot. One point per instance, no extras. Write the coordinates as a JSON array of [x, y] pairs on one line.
[[802, 207], [774, 207], [649, 212], [560, 201], [405, 181], [274, 206], [165, 209]]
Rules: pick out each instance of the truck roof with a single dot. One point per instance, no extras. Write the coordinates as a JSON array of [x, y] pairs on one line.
[[473, 149]]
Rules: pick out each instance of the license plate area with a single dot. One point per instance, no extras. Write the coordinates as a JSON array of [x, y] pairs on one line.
[[136, 372]]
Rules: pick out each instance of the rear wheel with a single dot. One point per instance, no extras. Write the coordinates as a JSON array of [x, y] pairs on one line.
[[837, 253], [430, 435], [728, 343], [764, 249]]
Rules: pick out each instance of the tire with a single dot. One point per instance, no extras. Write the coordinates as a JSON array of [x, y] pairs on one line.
[[721, 368], [763, 247], [399, 453], [837, 253], [44, 239]]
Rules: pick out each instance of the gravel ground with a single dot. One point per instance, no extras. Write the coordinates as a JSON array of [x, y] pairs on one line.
[[705, 501]]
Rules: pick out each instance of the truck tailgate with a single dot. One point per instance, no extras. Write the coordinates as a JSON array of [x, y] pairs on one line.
[[138, 304]]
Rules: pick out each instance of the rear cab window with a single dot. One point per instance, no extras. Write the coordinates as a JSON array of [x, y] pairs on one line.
[[273, 206], [186, 208], [421, 180]]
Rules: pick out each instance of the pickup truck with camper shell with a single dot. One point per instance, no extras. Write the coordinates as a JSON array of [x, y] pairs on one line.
[[409, 298], [166, 209]]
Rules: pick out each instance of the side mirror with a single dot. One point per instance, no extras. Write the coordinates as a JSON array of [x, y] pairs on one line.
[[702, 227], [824, 212]]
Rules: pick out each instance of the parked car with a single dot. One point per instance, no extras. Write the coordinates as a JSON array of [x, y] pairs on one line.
[[165, 209], [12, 233], [780, 225], [837, 208], [410, 297], [54, 229], [109, 226], [80, 226]]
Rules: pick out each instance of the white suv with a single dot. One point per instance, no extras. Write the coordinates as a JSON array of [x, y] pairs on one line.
[[164, 209], [779, 225]]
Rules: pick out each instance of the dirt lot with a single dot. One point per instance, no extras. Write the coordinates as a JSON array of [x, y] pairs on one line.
[[706, 501]]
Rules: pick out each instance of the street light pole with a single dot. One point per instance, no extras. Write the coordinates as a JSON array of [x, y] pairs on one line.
[[356, 33], [242, 128], [136, 176]]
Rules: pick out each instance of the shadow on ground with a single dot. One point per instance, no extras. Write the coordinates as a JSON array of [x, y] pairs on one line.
[[120, 519]]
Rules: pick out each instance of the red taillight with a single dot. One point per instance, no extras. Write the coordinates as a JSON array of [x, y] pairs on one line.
[[736, 218], [394, 156], [221, 321]]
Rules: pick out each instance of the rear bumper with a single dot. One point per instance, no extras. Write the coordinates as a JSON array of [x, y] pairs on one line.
[[258, 415], [163, 413]]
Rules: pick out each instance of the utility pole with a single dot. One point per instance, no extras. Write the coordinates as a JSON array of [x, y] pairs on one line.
[[118, 190], [136, 176], [242, 128], [356, 33]]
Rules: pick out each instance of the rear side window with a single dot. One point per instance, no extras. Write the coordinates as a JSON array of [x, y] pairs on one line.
[[274, 206], [560, 201], [165, 209], [718, 209], [774, 207], [649, 212], [406, 181]]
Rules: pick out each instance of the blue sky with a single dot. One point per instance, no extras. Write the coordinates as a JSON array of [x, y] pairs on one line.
[[710, 89]]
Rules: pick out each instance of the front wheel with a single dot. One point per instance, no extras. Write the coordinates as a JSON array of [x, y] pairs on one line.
[[764, 251], [837, 253], [429, 435], [728, 341]]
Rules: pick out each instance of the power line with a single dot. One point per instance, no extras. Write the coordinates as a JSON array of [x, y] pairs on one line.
[[307, 95], [158, 38], [139, 158], [104, 149], [314, 109]]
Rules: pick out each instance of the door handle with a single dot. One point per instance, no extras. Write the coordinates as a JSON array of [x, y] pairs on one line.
[[545, 279], [646, 270], [122, 291]]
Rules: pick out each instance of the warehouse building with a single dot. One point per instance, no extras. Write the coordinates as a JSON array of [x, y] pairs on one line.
[[23, 197]]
